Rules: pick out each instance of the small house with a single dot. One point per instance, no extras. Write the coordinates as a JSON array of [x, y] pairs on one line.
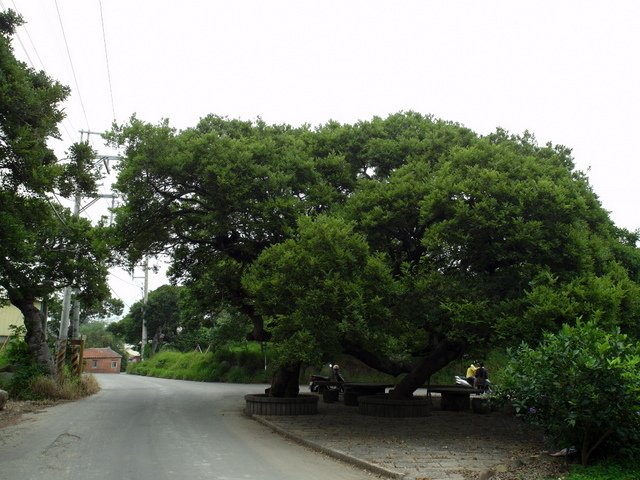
[[10, 316], [101, 360]]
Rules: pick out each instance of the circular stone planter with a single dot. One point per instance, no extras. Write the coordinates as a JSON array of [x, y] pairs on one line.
[[261, 404], [383, 406]]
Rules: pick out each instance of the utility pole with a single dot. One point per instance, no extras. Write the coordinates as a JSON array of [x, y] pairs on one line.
[[66, 302], [145, 297], [76, 303]]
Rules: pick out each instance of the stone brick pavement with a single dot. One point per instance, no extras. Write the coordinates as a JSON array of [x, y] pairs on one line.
[[442, 446]]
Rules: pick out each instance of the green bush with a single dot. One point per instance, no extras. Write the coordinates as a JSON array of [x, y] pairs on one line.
[[582, 385]]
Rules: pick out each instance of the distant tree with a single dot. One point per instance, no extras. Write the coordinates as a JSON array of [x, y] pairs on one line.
[[96, 311], [98, 336], [162, 316]]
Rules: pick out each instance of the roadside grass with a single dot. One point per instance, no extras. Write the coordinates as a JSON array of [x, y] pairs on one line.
[[609, 470], [236, 364], [69, 388]]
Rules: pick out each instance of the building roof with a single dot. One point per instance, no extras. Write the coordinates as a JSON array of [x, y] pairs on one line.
[[100, 353]]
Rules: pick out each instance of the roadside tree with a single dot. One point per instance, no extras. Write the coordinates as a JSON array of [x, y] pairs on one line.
[[43, 248]]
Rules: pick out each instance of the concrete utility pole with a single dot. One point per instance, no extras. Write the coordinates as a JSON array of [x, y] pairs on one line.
[[66, 302], [76, 303], [145, 297]]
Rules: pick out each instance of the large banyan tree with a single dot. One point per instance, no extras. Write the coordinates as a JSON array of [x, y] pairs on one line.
[[405, 241]]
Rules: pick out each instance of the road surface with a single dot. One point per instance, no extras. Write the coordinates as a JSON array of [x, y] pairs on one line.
[[142, 428]]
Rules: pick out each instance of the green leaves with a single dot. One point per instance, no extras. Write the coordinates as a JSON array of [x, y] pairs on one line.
[[582, 382], [30, 105], [318, 287], [80, 174]]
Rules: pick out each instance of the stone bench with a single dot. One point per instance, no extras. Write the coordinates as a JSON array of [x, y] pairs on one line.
[[453, 397]]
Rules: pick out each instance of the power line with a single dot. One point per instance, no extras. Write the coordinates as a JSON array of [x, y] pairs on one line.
[[123, 280], [25, 51], [24, 27], [41, 63], [73, 70], [17, 35], [113, 292], [106, 56]]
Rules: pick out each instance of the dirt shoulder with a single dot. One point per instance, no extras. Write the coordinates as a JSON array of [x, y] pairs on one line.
[[15, 409]]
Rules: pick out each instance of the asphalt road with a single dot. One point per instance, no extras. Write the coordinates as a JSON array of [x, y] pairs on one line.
[[141, 428]]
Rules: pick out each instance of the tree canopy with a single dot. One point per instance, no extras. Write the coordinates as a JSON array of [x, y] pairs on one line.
[[405, 241]]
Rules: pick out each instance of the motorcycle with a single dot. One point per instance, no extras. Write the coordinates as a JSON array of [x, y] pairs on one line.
[[463, 382], [320, 383]]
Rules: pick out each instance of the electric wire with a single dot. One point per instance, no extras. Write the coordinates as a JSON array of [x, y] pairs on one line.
[[17, 35], [123, 280], [33, 46], [73, 70], [41, 63], [113, 292], [106, 56]]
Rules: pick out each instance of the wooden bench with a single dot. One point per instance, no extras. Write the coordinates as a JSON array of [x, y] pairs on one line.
[[454, 397]]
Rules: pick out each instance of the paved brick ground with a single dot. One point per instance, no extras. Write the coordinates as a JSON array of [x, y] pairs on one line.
[[442, 446]]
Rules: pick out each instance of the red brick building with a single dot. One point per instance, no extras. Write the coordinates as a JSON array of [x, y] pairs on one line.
[[101, 360]]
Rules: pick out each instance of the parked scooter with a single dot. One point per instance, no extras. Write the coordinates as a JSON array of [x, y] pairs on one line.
[[463, 382], [320, 383]]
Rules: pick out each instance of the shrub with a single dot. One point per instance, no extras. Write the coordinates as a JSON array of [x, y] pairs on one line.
[[581, 384], [69, 387]]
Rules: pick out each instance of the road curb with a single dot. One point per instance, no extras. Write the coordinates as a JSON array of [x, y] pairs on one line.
[[328, 451]]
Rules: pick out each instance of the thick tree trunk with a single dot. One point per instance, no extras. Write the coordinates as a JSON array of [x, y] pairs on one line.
[[36, 337], [374, 360], [258, 334], [286, 381], [443, 353]]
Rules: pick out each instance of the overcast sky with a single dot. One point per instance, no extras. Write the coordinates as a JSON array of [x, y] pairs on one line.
[[568, 71]]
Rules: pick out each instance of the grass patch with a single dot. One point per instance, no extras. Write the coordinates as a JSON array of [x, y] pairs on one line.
[[233, 365], [606, 471]]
